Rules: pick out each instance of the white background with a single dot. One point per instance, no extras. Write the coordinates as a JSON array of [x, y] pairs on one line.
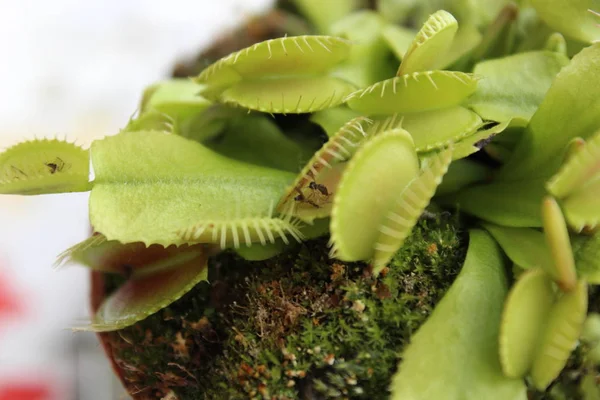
[[76, 68]]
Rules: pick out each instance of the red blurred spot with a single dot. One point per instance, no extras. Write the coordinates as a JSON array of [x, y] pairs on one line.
[[26, 391], [9, 305]]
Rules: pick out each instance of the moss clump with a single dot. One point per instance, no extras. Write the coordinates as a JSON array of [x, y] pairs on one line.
[[298, 326]]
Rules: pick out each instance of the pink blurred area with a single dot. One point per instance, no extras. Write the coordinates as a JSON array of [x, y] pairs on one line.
[[75, 69]]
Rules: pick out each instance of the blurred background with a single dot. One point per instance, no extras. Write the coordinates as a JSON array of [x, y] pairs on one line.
[[75, 69]]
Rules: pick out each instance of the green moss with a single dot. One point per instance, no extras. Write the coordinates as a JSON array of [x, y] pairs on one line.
[[300, 325], [304, 326]]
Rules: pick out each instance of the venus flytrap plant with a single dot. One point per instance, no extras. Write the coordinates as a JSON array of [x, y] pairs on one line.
[[353, 204], [44, 166], [430, 45], [252, 78], [298, 137]]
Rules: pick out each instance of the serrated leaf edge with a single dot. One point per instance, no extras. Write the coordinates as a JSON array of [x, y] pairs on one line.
[[409, 207]]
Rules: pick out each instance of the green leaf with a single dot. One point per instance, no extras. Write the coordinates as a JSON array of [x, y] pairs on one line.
[[571, 17], [498, 152], [377, 173], [514, 86], [256, 139], [420, 91], [556, 43], [282, 57], [498, 38], [396, 10], [177, 98], [485, 11], [473, 143], [433, 130], [557, 237], [525, 247], [591, 329], [332, 119], [370, 56], [87, 253], [454, 355], [153, 120], [582, 208], [288, 95], [403, 215], [561, 335], [515, 204], [260, 252], [467, 38], [398, 39], [431, 44], [461, 174], [212, 122], [176, 274], [570, 109], [587, 259], [526, 312], [324, 14], [111, 256], [44, 166], [589, 387], [582, 166], [151, 186]]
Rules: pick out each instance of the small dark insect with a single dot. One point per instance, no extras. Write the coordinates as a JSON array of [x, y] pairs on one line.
[[303, 199], [320, 195], [57, 165], [321, 188]]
